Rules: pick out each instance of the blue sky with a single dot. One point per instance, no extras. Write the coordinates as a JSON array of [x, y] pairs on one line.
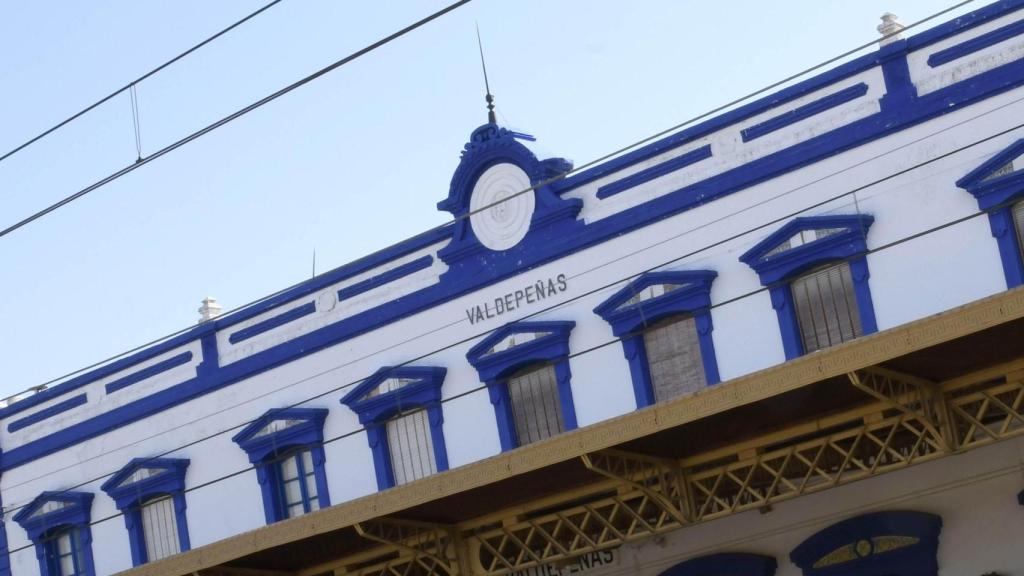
[[346, 165]]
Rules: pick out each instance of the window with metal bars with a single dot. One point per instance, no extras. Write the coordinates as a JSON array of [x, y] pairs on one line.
[[410, 446], [826, 307], [401, 408], [536, 408], [159, 528], [525, 366], [64, 553], [673, 358], [816, 271]]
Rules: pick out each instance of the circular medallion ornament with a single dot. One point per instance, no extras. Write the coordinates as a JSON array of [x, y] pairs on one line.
[[500, 210]]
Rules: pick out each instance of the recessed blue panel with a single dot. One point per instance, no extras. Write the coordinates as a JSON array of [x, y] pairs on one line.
[[643, 176], [980, 43], [386, 277], [806, 111], [149, 372], [271, 323], [45, 413]]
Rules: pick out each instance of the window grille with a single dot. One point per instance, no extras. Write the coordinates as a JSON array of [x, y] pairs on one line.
[[673, 358], [1018, 223], [411, 447], [160, 528], [298, 484], [826, 307], [536, 408]]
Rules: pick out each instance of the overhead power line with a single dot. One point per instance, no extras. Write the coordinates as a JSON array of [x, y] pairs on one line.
[[129, 85], [234, 116]]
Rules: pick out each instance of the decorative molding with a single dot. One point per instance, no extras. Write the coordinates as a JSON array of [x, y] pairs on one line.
[[777, 263], [656, 171], [159, 477], [543, 342], [149, 372], [49, 412], [272, 322], [973, 45], [691, 295], [805, 111], [878, 544], [74, 511], [422, 390]]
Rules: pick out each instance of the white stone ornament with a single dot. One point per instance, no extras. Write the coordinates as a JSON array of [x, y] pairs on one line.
[[503, 224]]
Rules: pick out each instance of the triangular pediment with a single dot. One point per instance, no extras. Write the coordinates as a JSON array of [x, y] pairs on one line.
[[806, 233], [1008, 161], [656, 294], [394, 379], [50, 505], [281, 421], [144, 471], [513, 336]]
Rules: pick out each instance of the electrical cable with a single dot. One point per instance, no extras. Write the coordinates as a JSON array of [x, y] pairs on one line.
[[565, 358], [129, 85], [209, 128], [778, 220], [613, 283], [233, 116], [531, 188]]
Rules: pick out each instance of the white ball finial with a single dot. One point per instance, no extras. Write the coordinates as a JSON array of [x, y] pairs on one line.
[[890, 29]]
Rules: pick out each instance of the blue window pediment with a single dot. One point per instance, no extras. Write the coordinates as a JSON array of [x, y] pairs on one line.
[[654, 296], [514, 345], [998, 180], [145, 477], [392, 389], [806, 242], [52, 509], [281, 429], [878, 544], [727, 564]]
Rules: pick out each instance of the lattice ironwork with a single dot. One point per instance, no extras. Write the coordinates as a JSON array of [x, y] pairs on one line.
[[603, 522], [660, 479], [984, 415], [413, 549], [915, 397], [811, 465]]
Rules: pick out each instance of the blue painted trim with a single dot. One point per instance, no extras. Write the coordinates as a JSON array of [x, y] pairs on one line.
[[803, 112], [149, 372], [375, 411], [915, 560], [494, 370], [693, 298], [130, 497], [386, 277], [1020, 498], [5, 554], [58, 408], [980, 43], [997, 195], [644, 176], [539, 249], [271, 323], [727, 564], [267, 450], [777, 270], [40, 528]]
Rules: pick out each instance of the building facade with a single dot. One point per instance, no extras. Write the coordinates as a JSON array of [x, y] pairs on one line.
[[731, 323]]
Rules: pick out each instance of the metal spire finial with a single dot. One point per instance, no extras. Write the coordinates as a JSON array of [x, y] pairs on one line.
[[487, 85]]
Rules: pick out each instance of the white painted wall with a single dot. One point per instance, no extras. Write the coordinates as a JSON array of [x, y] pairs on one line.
[[927, 275]]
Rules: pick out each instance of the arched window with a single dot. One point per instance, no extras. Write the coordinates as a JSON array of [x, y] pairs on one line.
[[57, 523], [286, 447], [401, 409], [664, 320], [525, 366], [817, 273], [151, 494], [998, 186], [880, 544], [728, 564]]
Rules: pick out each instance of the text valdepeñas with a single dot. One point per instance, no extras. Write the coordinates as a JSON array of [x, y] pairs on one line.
[[535, 292]]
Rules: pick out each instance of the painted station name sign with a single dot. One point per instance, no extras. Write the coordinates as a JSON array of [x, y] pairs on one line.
[[535, 292], [584, 563]]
